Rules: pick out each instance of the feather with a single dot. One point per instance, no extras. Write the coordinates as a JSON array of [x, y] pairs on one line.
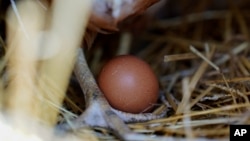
[[107, 14]]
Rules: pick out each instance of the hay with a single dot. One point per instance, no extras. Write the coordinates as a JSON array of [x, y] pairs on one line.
[[202, 61]]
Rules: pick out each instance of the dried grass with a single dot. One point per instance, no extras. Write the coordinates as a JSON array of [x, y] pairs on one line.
[[202, 62]]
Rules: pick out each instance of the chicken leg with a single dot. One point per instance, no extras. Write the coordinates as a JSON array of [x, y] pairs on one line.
[[98, 111]]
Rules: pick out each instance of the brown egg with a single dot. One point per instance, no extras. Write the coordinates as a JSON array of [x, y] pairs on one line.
[[129, 84]]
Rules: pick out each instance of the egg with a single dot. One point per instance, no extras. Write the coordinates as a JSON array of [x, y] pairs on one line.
[[129, 84]]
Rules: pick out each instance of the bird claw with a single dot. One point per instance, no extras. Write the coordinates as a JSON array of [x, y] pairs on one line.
[[141, 117], [98, 111]]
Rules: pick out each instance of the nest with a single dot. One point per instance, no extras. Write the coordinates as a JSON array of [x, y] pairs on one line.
[[201, 57]]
